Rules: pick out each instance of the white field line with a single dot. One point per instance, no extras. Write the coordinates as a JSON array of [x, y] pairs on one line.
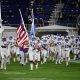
[[27, 78], [75, 61], [12, 73]]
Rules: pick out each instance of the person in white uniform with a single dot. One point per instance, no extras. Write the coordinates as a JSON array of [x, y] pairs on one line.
[[17, 51], [67, 51], [35, 56], [23, 52], [58, 49], [30, 55], [4, 54], [52, 51], [10, 41], [43, 55]]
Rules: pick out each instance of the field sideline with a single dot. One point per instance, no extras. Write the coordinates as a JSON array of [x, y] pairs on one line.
[[48, 71]]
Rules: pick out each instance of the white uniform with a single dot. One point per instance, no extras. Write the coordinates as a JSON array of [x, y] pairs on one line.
[[67, 49], [4, 55], [52, 49], [52, 52], [58, 50], [59, 44], [23, 54], [31, 57], [4, 50], [30, 52], [16, 50], [11, 45], [44, 55], [35, 55], [39, 46]]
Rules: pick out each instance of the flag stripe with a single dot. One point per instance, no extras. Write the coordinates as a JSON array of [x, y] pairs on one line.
[[18, 29]]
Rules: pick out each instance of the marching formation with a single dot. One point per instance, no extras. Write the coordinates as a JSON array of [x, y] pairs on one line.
[[55, 48]]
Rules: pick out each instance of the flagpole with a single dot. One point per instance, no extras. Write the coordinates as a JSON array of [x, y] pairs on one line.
[[0, 16], [1, 28], [22, 20]]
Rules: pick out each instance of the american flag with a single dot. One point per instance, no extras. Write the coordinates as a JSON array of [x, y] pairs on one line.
[[22, 32]]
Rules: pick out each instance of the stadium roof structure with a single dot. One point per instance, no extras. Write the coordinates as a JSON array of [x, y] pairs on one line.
[[1, 29], [55, 28]]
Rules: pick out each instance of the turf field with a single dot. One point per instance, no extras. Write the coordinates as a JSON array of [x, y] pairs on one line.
[[48, 71]]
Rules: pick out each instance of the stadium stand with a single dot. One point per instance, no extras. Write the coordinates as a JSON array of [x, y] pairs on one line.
[[68, 14], [71, 12]]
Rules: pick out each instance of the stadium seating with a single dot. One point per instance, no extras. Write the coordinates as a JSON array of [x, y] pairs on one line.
[[10, 12], [42, 11], [70, 11]]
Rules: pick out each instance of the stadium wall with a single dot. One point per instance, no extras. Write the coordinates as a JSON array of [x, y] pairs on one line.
[[9, 31]]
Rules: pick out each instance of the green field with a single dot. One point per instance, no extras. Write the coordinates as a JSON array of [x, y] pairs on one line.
[[48, 71]]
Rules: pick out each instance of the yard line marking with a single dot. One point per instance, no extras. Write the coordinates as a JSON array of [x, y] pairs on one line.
[[27, 78], [75, 61], [12, 73]]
